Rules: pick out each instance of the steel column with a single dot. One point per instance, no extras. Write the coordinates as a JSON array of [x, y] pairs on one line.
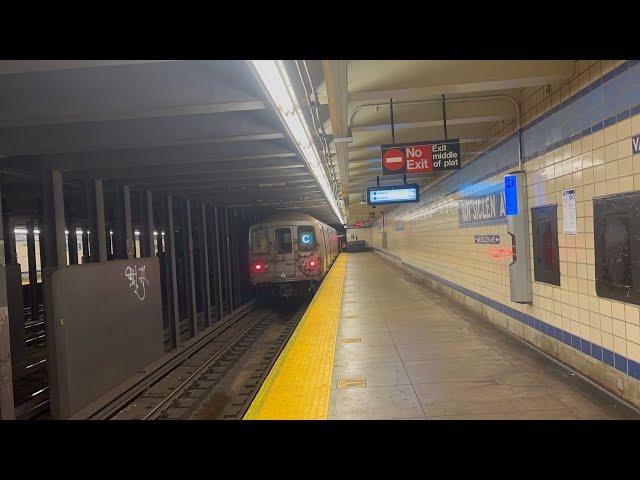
[[236, 258], [228, 258], [53, 231], [6, 371], [206, 292], [72, 242], [191, 284], [101, 227], [171, 252], [149, 247], [128, 227], [219, 304], [33, 268]]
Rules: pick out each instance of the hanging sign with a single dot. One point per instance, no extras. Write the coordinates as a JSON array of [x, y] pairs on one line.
[[393, 194], [421, 157]]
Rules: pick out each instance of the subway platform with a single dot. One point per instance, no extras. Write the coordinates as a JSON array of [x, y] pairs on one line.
[[376, 344]]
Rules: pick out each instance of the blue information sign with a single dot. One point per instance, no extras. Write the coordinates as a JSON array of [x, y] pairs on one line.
[[511, 194]]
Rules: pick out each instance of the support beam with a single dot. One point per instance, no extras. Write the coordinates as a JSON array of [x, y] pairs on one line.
[[33, 270], [455, 89], [72, 243], [179, 111], [52, 230], [191, 283], [148, 244], [335, 74], [204, 259], [383, 127], [6, 370], [228, 259], [128, 227], [101, 227], [219, 300], [170, 248]]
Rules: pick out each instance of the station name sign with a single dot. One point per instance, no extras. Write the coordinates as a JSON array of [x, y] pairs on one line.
[[394, 194], [421, 157], [488, 208]]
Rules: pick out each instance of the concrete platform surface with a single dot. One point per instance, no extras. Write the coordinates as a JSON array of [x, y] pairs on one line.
[[404, 351]]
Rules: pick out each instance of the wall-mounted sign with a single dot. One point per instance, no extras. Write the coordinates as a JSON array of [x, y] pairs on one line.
[[635, 144], [511, 194], [421, 157], [569, 211], [393, 194], [490, 239], [399, 224], [484, 208]]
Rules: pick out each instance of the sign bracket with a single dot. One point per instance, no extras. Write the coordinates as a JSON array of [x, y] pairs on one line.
[[393, 132], [444, 118]]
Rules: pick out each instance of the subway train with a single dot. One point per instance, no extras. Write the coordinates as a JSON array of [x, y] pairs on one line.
[[290, 254]]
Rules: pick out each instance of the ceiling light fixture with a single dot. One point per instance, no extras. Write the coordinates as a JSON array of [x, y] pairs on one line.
[[276, 82]]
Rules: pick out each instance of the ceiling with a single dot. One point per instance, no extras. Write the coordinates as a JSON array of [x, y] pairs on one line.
[[200, 129], [206, 129], [354, 105]]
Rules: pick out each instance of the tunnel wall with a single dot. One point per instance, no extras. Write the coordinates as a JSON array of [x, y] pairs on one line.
[[583, 143]]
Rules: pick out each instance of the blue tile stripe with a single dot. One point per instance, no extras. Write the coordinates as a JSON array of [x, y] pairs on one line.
[[602, 354], [609, 100]]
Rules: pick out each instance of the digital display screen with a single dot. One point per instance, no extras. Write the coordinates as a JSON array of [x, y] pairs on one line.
[[394, 194]]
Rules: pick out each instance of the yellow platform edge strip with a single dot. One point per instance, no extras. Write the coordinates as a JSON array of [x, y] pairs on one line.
[[299, 384]]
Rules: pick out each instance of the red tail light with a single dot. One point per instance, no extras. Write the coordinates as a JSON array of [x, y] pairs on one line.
[[258, 267], [312, 264]]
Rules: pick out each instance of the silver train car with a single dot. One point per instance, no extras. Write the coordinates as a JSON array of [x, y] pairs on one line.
[[291, 253]]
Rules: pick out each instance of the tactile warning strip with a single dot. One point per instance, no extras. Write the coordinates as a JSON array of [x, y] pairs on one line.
[[299, 384]]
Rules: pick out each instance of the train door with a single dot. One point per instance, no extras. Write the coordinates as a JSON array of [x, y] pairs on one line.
[[285, 265]]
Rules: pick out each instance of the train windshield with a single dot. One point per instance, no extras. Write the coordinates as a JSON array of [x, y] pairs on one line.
[[259, 241], [283, 240], [306, 239]]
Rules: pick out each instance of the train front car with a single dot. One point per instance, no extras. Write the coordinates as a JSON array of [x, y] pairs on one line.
[[290, 254]]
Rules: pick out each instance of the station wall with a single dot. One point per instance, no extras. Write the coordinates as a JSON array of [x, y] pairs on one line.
[[449, 238], [360, 234]]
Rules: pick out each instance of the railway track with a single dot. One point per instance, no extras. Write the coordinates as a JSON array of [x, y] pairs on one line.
[[246, 350]]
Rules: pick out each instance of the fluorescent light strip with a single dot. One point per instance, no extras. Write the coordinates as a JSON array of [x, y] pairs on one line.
[[276, 81]]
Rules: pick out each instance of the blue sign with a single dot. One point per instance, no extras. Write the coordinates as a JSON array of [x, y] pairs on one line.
[[511, 194]]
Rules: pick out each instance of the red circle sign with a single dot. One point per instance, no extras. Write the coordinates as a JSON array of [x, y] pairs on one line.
[[393, 159]]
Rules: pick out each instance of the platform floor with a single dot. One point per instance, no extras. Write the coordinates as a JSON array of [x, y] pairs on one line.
[[403, 351]]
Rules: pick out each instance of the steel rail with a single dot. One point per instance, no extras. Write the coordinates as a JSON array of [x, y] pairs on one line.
[[104, 409], [177, 392]]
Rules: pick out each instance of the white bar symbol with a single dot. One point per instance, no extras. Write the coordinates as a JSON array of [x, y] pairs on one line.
[[393, 160]]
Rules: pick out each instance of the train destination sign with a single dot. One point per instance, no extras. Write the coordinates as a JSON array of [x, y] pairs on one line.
[[393, 194], [421, 157]]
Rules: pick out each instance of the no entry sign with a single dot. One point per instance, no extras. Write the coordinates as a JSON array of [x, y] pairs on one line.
[[421, 157], [394, 160]]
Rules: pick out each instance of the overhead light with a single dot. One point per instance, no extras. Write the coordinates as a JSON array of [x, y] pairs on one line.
[[276, 82]]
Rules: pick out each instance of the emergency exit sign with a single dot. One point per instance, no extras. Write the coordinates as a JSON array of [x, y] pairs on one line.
[[421, 157]]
